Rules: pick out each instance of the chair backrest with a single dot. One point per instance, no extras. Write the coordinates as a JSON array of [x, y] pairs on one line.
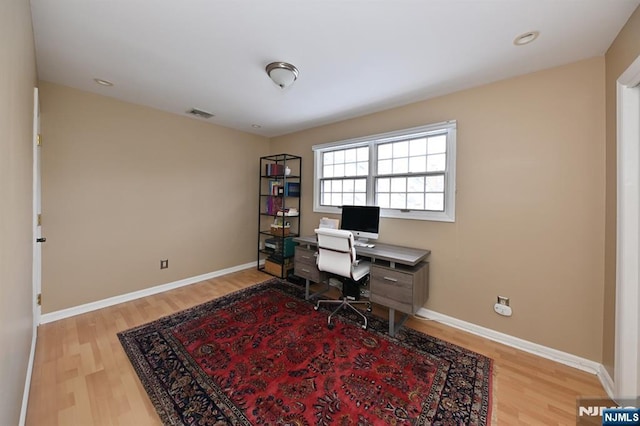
[[336, 252]]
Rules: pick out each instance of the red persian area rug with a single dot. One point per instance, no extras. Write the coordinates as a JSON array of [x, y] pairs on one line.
[[264, 356]]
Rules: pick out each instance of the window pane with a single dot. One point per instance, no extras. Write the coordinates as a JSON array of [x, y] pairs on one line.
[[415, 184], [363, 154], [338, 170], [384, 167], [398, 184], [437, 144], [383, 200], [328, 158], [347, 199], [400, 165], [360, 199], [326, 186], [435, 183], [383, 184], [418, 164], [350, 155], [347, 185], [415, 201], [350, 169], [384, 151], [363, 168], [398, 201], [336, 199], [327, 171], [401, 149], [361, 185], [326, 199], [436, 163], [435, 202], [337, 186], [338, 157], [418, 147]]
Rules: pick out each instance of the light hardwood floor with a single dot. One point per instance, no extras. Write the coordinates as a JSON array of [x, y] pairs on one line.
[[83, 377]]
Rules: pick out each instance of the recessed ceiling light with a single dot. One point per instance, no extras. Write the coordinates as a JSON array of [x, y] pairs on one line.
[[256, 126], [102, 82], [526, 38]]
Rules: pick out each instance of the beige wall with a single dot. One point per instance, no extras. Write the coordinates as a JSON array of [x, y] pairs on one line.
[[125, 186], [622, 52], [530, 203], [17, 80]]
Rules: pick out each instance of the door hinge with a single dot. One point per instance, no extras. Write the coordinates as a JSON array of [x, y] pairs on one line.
[[39, 299], [39, 219], [39, 140]]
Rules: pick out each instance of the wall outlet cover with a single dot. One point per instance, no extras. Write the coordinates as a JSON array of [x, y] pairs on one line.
[[503, 310]]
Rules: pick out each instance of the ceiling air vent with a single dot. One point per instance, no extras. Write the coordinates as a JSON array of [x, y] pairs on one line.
[[200, 113]]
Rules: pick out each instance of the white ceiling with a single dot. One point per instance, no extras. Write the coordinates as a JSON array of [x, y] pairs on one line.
[[355, 56]]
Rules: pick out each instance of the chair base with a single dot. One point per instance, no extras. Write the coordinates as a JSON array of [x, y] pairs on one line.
[[345, 302]]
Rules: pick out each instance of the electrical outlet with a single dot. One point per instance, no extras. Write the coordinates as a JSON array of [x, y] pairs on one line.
[[503, 300], [164, 263]]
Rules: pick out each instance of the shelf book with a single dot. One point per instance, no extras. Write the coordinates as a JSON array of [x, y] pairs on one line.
[[276, 188], [274, 205], [292, 189]]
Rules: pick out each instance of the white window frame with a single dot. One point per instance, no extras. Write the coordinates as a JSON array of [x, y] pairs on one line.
[[449, 213]]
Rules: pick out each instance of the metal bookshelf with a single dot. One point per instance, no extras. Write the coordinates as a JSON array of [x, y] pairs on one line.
[[279, 212]]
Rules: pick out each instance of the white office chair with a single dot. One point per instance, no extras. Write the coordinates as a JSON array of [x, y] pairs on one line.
[[337, 255]]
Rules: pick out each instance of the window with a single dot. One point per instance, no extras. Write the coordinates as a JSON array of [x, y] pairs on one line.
[[409, 173]]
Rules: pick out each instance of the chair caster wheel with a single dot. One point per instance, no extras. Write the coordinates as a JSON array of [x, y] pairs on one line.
[[330, 326], [364, 327], [315, 308], [369, 309]]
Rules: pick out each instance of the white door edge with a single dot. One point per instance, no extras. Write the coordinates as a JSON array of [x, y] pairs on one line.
[[627, 339]]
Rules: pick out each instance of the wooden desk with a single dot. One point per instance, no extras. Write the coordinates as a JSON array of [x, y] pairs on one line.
[[399, 276]]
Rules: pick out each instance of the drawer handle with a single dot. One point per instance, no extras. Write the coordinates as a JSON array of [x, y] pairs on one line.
[[306, 257], [391, 279], [305, 270]]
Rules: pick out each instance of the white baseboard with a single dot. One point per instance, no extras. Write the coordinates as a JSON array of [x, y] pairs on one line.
[[92, 306], [27, 380], [607, 381], [515, 342]]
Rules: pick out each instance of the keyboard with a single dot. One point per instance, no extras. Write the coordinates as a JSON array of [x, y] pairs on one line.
[[359, 244]]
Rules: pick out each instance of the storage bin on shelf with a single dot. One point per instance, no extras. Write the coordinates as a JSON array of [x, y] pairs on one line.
[[285, 246], [280, 230]]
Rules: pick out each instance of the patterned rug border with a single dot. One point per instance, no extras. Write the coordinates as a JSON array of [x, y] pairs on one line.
[[377, 325]]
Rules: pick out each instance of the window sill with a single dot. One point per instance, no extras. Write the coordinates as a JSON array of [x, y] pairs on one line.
[[398, 214]]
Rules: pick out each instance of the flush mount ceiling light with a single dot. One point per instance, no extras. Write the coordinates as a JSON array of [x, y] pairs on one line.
[[283, 74], [526, 38], [102, 82]]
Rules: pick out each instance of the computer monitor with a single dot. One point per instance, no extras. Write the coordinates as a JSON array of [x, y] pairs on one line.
[[363, 221]]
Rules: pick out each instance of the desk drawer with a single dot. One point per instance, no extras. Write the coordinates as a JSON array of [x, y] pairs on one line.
[[304, 265], [401, 289], [305, 255], [391, 288], [309, 272]]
